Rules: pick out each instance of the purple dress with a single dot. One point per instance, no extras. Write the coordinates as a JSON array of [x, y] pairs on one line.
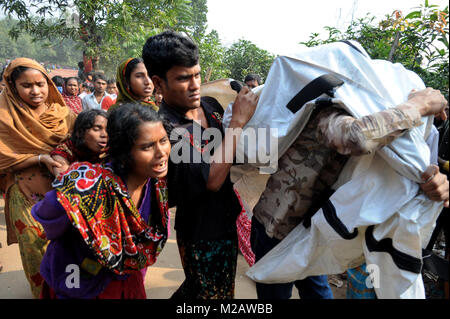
[[67, 250]]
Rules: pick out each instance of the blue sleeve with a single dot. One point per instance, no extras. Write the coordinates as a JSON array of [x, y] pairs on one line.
[[51, 215]]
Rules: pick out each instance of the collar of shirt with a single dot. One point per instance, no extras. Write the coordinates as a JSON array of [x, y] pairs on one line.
[[209, 106], [93, 99]]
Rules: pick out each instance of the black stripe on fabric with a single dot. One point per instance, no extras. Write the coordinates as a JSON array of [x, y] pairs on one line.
[[326, 83], [330, 215], [401, 260], [352, 45]]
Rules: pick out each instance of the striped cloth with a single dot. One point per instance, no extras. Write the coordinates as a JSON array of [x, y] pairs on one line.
[[356, 284], [244, 227]]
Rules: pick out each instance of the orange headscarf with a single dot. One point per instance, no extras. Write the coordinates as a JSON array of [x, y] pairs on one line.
[[22, 135]]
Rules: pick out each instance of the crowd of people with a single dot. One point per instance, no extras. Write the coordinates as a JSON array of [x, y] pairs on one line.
[[88, 179]]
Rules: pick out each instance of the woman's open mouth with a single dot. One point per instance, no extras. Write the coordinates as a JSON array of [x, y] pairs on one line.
[[161, 167]]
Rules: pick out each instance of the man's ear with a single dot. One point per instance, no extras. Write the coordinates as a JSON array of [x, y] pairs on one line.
[[157, 81]]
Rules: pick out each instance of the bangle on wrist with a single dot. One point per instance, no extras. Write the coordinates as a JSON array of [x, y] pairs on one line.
[[39, 159]]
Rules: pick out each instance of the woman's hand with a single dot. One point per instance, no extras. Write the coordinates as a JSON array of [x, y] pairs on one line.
[[64, 165], [49, 162]]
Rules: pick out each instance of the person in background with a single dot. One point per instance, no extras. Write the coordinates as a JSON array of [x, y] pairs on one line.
[[111, 88], [84, 90], [158, 97], [87, 142], [70, 95], [89, 77], [33, 120], [110, 221], [99, 99], [134, 84], [2, 176], [252, 81], [59, 82], [2, 82], [81, 74]]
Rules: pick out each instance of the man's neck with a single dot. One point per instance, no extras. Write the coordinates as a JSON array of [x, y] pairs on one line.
[[194, 114], [98, 94]]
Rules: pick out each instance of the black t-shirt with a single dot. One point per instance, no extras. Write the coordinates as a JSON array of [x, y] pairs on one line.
[[201, 214]]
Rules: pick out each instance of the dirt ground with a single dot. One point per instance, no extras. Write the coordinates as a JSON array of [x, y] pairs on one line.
[[162, 280]]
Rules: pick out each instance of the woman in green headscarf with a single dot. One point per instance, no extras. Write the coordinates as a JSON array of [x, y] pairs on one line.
[[134, 84]]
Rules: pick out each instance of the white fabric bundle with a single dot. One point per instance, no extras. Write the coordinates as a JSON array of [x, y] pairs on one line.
[[378, 213]]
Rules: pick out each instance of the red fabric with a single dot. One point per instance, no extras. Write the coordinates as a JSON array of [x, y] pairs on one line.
[[107, 103], [111, 225], [87, 64], [130, 288], [73, 102], [244, 228]]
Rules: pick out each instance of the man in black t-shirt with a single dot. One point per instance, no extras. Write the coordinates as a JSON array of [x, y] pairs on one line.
[[199, 167]]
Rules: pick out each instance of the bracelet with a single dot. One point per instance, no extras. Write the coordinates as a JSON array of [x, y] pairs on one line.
[[39, 159], [445, 166]]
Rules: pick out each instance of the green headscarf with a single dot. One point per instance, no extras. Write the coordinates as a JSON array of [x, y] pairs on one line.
[[125, 95]]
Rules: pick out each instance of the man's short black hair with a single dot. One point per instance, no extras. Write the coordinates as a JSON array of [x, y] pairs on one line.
[[253, 77], [167, 49], [97, 76], [58, 80]]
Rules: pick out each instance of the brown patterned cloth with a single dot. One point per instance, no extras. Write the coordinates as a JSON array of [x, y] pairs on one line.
[[313, 163], [23, 136]]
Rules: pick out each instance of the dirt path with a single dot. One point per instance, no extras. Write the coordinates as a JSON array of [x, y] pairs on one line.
[[162, 279]]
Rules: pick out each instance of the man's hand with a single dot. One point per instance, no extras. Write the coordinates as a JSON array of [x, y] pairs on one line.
[[243, 108], [436, 185], [429, 102]]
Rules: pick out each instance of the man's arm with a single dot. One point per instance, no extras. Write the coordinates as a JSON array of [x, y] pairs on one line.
[[350, 136], [243, 109], [362, 136]]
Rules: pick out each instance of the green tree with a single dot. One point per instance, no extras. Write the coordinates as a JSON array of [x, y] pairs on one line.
[[199, 19], [244, 57], [108, 29], [211, 57], [63, 52], [418, 40]]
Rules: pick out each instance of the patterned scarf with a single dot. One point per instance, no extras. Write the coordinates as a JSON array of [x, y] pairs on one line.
[[99, 206], [72, 101], [72, 154], [125, 95]]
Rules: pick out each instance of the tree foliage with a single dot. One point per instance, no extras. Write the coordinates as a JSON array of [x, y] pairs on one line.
[[109, 29], [60, 51], [418, 40], [244, 57]]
